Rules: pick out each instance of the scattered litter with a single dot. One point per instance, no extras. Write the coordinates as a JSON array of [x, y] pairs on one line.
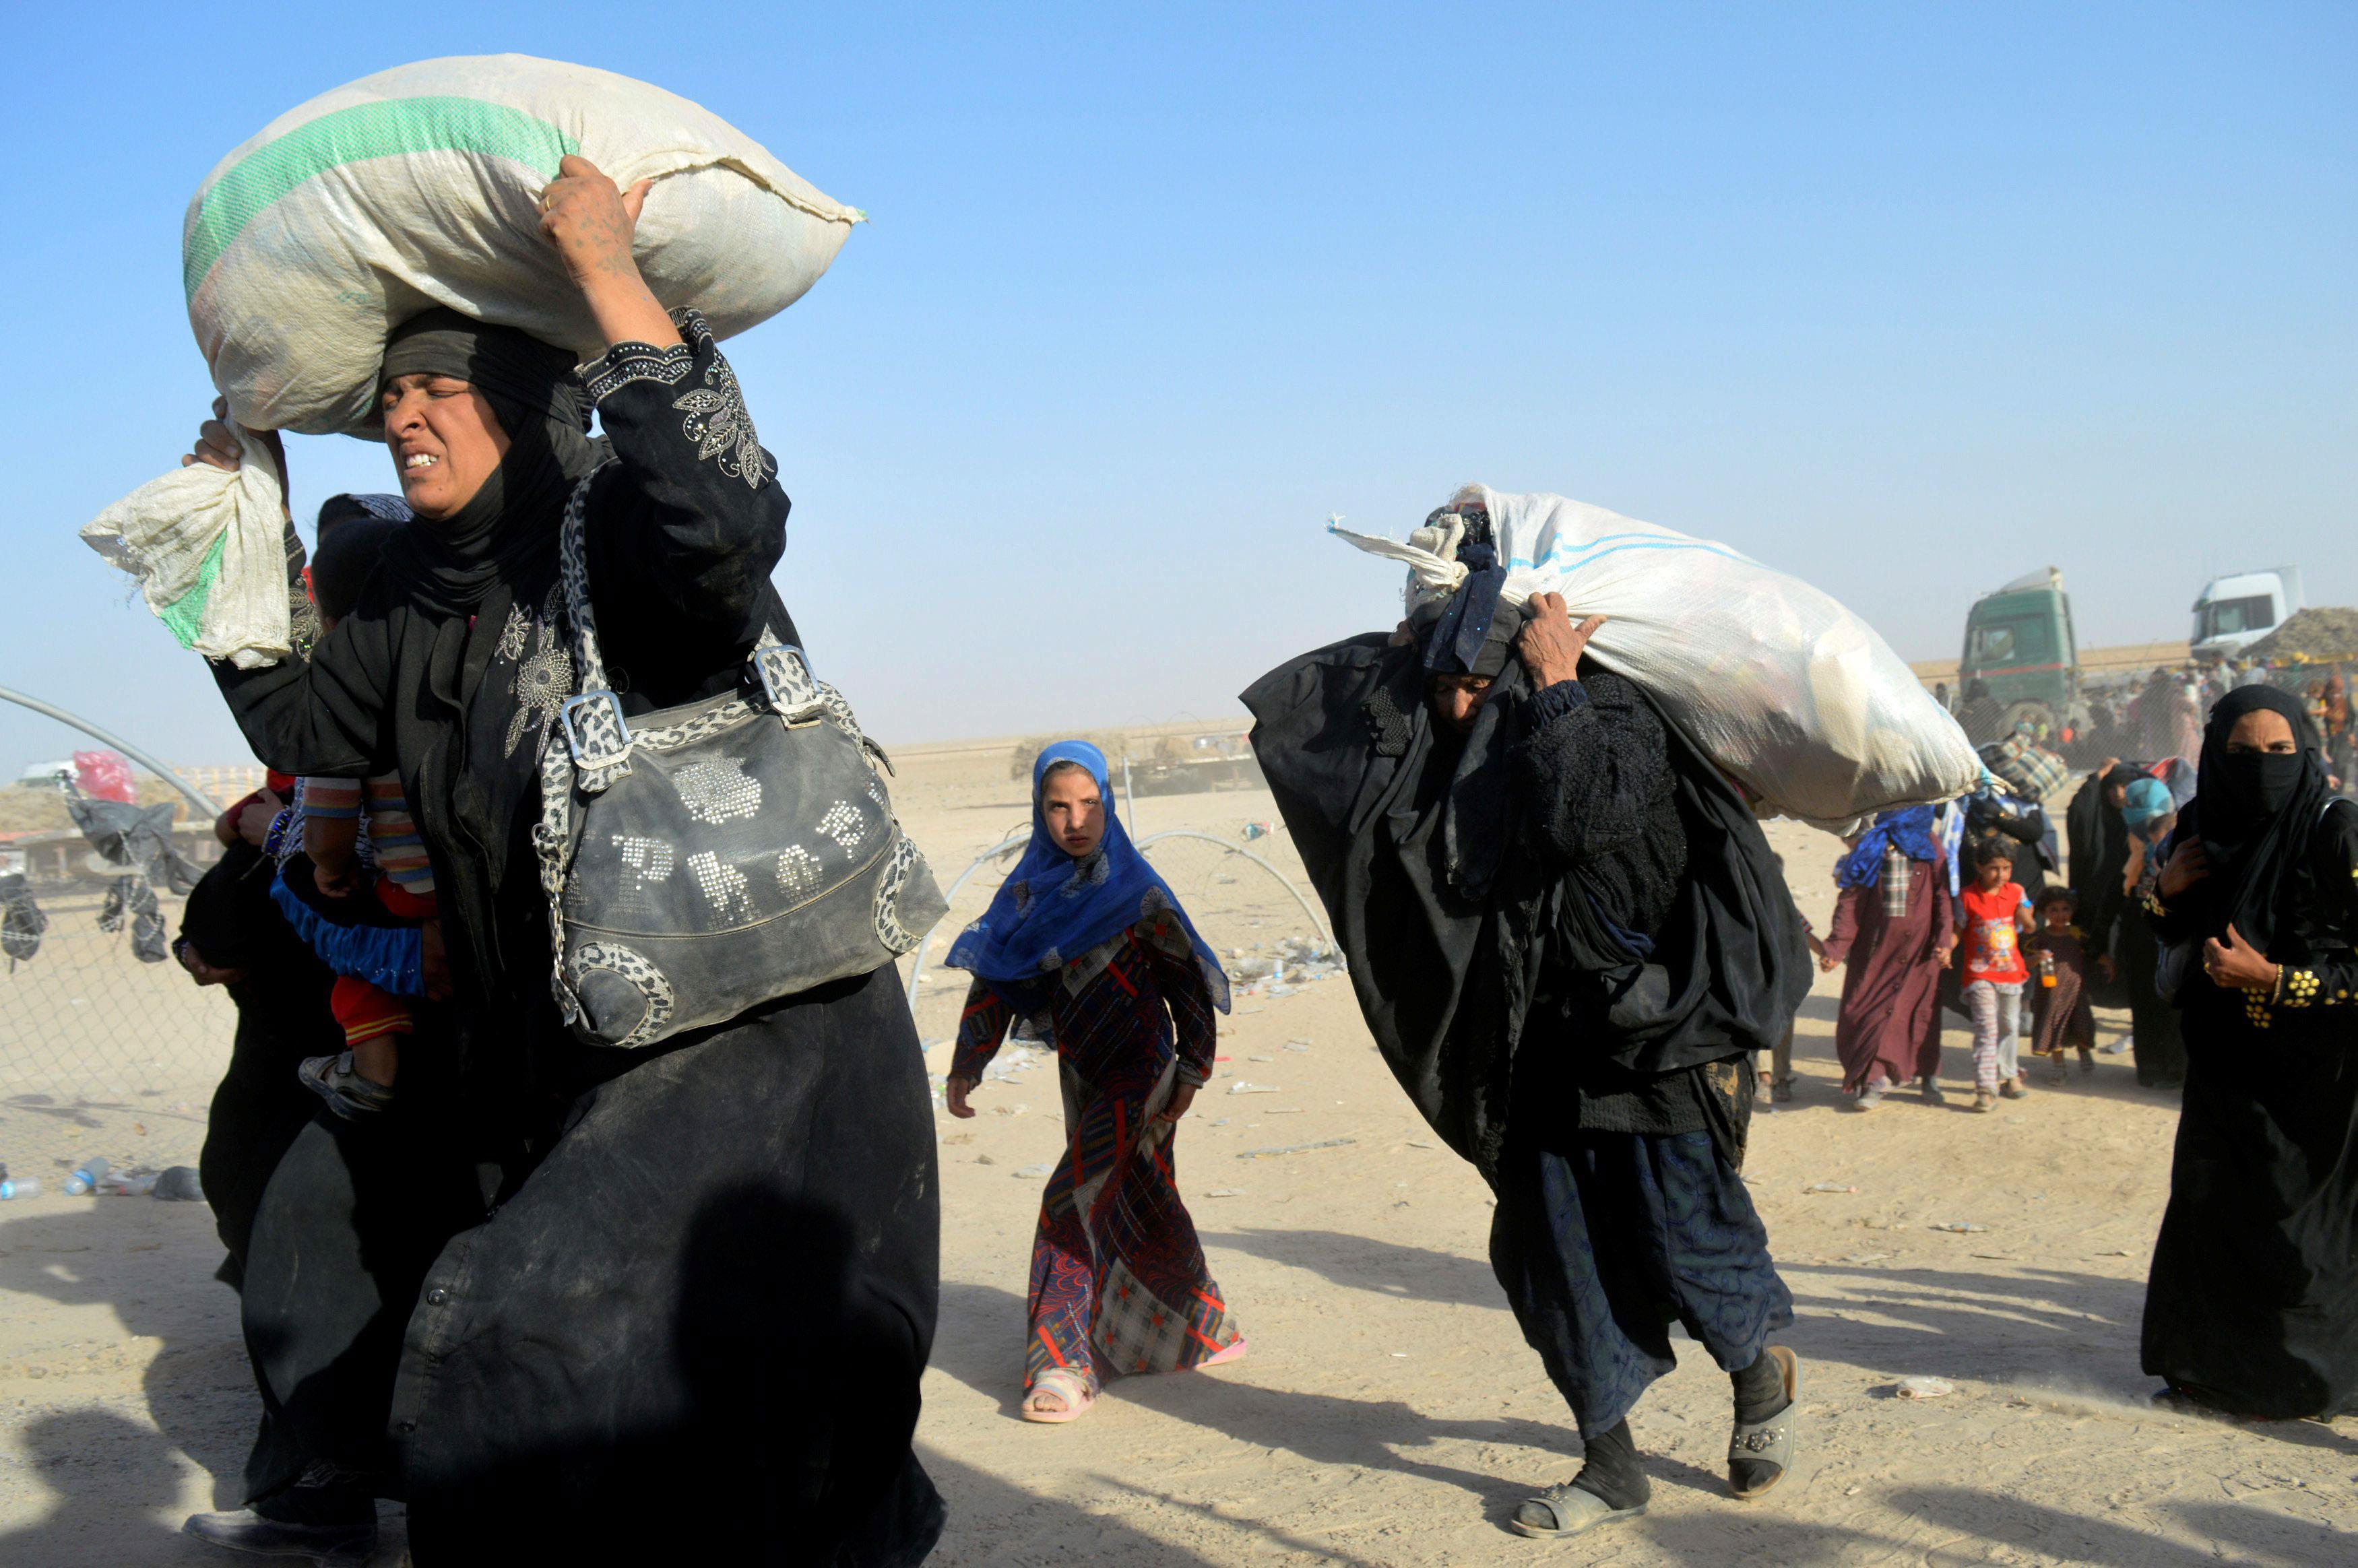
[[1222, 1122], [1399, 1354], [1010, 1064], [2117, 1252], [1995, 1257], [1960, 1226], [1224, 1058], [1261, 1058], [984, 1160], [1296, 1148], [1241, 1087], [179, 1183], [1866, 1257], [1415, 1144], [1924, 1388], [1041, 1169], [1283, 1110], [1225, 1193], [1016, 1110], [1297, 1044], [1828, 1188]]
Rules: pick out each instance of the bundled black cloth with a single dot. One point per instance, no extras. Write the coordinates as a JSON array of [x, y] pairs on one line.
[[22, 922], [137, 840], [2019, 832], [2252, 1305], [1449, 935]]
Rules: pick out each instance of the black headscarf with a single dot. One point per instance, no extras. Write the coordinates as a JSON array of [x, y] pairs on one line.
[[1474, 632], [347, 555], [229, 920], [448, 564], [2257, 814]]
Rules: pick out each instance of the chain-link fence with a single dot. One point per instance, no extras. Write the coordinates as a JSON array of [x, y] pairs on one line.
[[1249, 901], [101, 1052]]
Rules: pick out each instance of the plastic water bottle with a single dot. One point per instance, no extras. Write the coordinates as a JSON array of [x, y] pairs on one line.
[[86, 1177], [30, 1187]]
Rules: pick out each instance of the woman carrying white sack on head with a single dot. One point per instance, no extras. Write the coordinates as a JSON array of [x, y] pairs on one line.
[[608, 1306]]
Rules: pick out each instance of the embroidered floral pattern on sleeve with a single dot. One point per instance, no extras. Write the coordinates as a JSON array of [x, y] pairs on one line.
[[626, 362], [717, 422]]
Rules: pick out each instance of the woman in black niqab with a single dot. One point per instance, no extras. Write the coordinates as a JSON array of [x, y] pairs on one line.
[[2252, 1305], [619, 1306]]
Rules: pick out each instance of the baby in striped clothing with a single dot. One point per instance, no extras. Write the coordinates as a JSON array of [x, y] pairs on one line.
[[350, 825]]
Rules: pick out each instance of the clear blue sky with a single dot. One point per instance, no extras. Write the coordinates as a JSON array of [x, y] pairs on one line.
[[1905, 300]]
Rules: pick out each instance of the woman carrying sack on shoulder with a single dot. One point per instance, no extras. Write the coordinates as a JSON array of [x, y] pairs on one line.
[[1085, 944], [617, 1306]]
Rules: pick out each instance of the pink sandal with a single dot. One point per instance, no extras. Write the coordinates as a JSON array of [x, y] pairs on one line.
[[1066, 1384], [1234, 1351]]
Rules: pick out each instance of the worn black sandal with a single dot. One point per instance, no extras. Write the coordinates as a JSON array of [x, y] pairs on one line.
[[1769, 1442]]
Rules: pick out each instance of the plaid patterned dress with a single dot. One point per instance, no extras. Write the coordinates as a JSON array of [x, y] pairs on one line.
[[1118, 1280]]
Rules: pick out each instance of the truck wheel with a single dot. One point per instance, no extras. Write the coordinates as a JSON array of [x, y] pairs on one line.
[[2036, 714]]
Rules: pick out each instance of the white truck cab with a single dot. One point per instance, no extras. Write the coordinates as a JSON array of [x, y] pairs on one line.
[[2233, 610]]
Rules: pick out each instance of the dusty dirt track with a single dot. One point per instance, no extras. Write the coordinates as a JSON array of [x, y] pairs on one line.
[[1389, 1412]]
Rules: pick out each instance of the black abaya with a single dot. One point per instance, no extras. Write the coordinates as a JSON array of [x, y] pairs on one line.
[[2252, 1306], [713, 1260], [259, 1106]]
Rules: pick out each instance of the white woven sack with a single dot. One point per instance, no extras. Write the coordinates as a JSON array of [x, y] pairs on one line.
[[419, 186], [1797, 699], [209, 548]]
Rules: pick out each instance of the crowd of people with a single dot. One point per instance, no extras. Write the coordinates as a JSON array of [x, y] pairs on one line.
[[2162, 717], [675, 1300]]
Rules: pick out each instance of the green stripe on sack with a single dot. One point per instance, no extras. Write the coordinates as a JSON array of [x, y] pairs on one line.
[[388, 129], [185, 616]]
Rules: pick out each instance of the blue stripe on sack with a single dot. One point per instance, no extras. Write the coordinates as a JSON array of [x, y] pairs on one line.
[[1590, 554]]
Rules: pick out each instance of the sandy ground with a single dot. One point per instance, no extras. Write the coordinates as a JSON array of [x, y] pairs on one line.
[[1389, 1412]]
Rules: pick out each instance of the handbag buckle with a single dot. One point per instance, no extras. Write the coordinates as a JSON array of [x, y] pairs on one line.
[[585, 755], [775, 671]]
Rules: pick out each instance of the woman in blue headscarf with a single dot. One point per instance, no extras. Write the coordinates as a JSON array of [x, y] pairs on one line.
[[1086, 945], [1894, 926]]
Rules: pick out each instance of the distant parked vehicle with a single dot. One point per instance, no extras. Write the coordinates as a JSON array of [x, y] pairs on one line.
[[2234, 612], [2019, 647]]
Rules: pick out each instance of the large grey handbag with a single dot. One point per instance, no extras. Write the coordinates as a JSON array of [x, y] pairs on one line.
[[705, 858]]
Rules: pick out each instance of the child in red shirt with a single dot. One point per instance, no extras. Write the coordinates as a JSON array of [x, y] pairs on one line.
[[1994, 920]]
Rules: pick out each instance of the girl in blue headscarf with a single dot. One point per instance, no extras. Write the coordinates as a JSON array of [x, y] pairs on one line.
[[1086, 945]]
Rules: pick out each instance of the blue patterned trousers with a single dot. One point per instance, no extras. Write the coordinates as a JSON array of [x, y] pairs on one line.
[[1606, 1240]]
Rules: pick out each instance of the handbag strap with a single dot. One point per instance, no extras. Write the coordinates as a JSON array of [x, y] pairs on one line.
[[590, 721]]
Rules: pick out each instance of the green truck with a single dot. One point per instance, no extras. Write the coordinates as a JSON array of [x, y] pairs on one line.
[[2020, 647]]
